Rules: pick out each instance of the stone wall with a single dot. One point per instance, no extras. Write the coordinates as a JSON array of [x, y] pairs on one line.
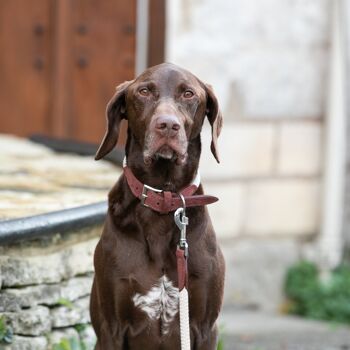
[[45, 290], [267, 61], [45, 284]]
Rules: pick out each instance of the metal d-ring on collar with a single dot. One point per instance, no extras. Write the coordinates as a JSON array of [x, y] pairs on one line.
[[181, 221]]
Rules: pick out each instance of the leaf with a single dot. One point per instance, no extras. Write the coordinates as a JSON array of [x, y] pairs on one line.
[[312, 297], [65, 302], [220, 345], [80, 327]]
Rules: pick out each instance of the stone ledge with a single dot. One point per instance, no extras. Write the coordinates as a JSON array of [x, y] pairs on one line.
[[13, 299], [28, 270], [27, 343], [86, 336], [64, 316], [36, 180], [34, 321], [65, 333]]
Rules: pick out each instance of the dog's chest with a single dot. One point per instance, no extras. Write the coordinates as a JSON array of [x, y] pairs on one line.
[[161, 302]]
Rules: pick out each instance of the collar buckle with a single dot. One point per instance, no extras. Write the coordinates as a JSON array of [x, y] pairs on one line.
[[144, 194]]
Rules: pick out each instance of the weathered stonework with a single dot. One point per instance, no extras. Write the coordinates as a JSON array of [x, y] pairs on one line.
[[35, 180], [64, 333], [300, 149], [246, 150], [65, 263], [27, 343], [270, 56], [77, 313], [33, 321], [47, 294], [282, 207], [227, 215], [41, 313], [45, 283]]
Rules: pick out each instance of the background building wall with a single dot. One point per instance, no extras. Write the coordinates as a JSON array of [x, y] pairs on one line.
[[268, 63]]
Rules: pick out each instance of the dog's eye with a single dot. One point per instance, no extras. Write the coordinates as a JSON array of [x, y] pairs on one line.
[[188, 94], [144, 91]]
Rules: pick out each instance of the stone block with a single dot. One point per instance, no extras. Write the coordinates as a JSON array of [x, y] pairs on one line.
[[242, 24], [34, 321], [275, 90], [275, 52], [9, 302], [65, 316], [49, 294], [255, 271], [282, 207], [22, 148], [57, 336], [300, 148], [35, 180], [227, 214], [67, 262], [246, 149], [27, 343], [88, 337]]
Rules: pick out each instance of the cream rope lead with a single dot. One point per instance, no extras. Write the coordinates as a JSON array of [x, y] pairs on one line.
[[184, 320], [181, 221]]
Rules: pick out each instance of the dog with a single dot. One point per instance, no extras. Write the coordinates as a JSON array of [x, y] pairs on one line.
[[134, 299]]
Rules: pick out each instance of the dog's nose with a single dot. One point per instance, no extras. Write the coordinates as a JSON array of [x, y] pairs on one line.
[[167, 124]]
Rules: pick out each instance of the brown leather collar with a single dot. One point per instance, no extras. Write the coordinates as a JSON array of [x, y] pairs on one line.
[[165, 202]]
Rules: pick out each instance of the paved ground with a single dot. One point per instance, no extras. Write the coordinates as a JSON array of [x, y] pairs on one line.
[[247, 330]]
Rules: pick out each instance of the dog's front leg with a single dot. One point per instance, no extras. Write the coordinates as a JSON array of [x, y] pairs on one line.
[[108, 341], [206, 340], [110, 335]]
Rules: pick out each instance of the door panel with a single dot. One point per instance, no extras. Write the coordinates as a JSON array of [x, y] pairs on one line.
[[25, 89], [103, 56], [60, 62]]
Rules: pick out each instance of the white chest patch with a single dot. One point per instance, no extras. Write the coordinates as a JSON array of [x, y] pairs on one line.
[[161, 302]]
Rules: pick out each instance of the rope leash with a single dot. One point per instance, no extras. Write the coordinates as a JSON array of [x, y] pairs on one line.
[[181, 221]]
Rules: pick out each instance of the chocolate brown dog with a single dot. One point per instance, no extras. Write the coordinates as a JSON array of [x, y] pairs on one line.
[[134, 300]]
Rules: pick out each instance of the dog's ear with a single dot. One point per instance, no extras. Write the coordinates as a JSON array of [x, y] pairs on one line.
[[215, 119], [115, 112]]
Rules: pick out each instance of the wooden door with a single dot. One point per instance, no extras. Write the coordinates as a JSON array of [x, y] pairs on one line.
[[25, 66], [59, 63]]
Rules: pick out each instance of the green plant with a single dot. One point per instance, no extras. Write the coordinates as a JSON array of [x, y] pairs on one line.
[[80, 327], [6, 333], [220, 344], [69, 344], [221, 336], [313, 298], [65, 302]]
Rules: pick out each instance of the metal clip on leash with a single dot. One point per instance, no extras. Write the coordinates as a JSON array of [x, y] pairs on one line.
[[181, 221]]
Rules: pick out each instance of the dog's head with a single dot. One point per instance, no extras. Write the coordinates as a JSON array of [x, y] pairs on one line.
[[165, 108]]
